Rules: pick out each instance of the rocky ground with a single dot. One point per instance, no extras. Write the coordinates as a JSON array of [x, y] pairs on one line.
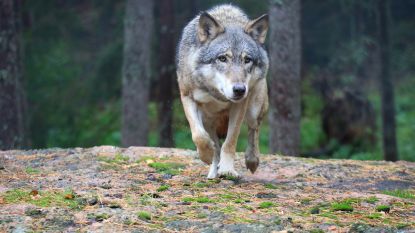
[[109, 189]]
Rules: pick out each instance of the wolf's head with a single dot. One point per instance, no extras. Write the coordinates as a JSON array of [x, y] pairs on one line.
[[231, 57]]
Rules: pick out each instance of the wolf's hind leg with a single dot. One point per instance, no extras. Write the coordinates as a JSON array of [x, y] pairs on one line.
[[257, 107], [252, 151]]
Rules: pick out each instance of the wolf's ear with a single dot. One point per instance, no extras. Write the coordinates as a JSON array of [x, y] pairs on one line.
[[258, 28], [208, 28]]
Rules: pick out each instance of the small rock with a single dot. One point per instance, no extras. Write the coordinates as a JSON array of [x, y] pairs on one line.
[[226, 183], [151, 177], [266, 195], [114, 205], [167, 176], [183, 203], [106, 186], [92, 201], [34, 212]]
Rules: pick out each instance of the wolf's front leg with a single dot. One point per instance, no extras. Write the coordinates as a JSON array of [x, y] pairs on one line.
[[227, 154], [204, 144], [213, 170]]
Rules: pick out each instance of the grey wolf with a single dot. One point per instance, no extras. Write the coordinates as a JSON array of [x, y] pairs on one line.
[[221, 69]]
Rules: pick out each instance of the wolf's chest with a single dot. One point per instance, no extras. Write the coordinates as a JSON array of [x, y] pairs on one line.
[[208, 103]]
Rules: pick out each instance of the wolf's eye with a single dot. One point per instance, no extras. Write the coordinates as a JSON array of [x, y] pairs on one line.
[[247, 60], [222, 58]]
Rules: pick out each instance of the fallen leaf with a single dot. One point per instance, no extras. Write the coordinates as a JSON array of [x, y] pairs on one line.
[[34, 192], [69, 196]]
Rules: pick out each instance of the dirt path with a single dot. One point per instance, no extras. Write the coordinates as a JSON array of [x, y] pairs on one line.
[[109, 189]]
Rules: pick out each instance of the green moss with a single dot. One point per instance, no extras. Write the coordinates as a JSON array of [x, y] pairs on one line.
[[198, 199], [98, 217], [230, 177], [214, 181], [163, 188], [306, 201], [351, 200], [118, 159], [243, 220], [240, 200], [101, 217], [247, 207], [315, 210], [167, 168], [342, 206], [374, 216], [201, 215], [203, 200], [270, 186], [316, 231], [371, 200], [400, 193], [328, 215], [401, 226], [45, 199], [201, 185], [32, 171], [383, 208], [228, 196], [266, 204], [228, 209], [144, 215], [188, 199]]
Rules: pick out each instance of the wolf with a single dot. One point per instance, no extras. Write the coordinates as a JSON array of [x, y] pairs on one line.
[[221, 69]]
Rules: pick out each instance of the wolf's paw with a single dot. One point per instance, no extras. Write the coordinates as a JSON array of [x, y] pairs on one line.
[[228, 173], [227, 170], [252, 163], [213, 171]]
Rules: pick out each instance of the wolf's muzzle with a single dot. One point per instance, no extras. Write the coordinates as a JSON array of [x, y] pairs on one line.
[[239, 90]]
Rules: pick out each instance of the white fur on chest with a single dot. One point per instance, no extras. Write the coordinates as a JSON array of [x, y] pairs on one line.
[[208, 102]]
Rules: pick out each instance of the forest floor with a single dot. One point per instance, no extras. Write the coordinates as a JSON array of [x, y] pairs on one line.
[[110, 189]]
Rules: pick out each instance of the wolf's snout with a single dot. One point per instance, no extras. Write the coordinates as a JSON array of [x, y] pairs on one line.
[[239, 90]]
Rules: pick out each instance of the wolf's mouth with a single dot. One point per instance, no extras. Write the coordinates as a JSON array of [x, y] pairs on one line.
[[237, 98]]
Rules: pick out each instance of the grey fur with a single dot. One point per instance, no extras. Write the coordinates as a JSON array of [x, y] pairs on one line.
[[219, 50]]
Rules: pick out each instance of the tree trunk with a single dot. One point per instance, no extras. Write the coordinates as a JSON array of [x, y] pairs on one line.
[[285, 69], [138, 27], [166, 72], [390, 150], [12, 127]]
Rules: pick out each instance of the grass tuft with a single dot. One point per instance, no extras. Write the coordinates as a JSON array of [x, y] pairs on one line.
[[374, 216], [167, 168], [203, 200], [266, 204], [144, 215], [372, 200], [44, 198], [400, 193], [32, 171], [163, 188], [270, 186], [383, 208], [342, 206], [118, 159]]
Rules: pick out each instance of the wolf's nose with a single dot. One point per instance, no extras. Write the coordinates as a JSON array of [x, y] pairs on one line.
[[239, 89]]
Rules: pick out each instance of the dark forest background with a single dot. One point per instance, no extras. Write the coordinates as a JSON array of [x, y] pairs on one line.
[[72, 62]]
